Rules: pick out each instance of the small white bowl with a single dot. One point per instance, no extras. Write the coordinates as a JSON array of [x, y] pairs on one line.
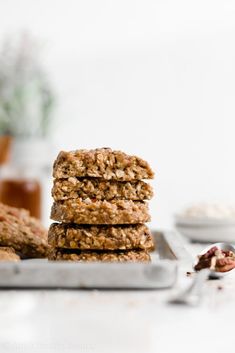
[[206, 229]]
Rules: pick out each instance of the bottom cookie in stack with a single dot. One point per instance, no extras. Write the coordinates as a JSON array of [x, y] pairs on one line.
[[100, 243], [105, 256]]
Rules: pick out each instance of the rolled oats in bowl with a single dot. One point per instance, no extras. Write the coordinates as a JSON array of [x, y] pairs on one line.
[[208, 211], [207, 222]]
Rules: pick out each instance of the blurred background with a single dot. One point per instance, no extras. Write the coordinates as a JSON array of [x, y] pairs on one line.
[[152, 78]]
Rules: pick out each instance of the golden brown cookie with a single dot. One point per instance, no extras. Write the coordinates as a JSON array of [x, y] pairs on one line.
[[86, 237], [8, 254], [90, 256], [100, 212], [101, 163], [23, 233]]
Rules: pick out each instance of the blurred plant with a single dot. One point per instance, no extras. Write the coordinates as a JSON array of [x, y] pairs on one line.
[[26, 98]]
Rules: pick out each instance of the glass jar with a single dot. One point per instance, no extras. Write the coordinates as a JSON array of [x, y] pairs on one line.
[[21, 177]]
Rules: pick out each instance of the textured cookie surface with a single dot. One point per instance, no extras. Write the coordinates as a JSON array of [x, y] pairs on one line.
[[95, 188], [101, 163], [8, 254], [100, 237], [100, 212], [89, 256], [23, 233]]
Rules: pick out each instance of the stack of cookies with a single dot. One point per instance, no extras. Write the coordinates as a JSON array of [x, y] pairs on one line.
[[99, 200]]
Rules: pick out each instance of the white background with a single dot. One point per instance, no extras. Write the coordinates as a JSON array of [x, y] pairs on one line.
[[153, 78]]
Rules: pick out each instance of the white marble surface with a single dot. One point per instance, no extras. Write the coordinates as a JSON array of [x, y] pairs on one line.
[[117, 321]]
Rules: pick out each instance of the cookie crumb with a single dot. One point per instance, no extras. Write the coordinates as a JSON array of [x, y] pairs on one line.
[[220, 287], [188, 273]]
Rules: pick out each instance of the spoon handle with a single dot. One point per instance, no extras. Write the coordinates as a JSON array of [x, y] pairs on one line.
[[193, 293]]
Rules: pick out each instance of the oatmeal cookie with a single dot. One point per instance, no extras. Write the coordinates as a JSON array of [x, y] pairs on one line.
[[95, 188], [101, 163], [88, 237], [100, 212], [23, 233], [108, 256], [8, 254]]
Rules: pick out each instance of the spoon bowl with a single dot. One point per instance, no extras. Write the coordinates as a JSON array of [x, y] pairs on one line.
[[192, 295], [220, 246]]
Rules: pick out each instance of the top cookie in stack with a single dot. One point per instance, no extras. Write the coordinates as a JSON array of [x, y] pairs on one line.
[[101, 163], [99, 198]]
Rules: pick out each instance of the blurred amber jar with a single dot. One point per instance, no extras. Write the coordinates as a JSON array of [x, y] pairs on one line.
[[5, 146], [20, 177], [23, 193]]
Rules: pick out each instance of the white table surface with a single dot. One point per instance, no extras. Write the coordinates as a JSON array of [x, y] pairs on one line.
[[117, 321]]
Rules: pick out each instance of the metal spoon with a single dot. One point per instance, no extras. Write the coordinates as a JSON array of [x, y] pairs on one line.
[[193, 294]]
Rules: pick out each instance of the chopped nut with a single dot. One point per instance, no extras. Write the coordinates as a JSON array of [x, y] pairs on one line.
[[217, 260]]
